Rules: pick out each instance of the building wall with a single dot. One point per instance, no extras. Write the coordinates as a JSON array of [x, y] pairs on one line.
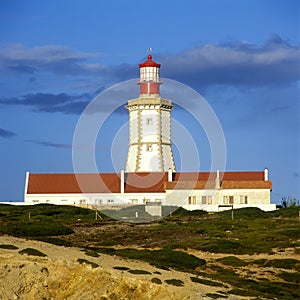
[[210, 200], [166, 126], [95, 199], [150, 148], [150, 125], [188, 199], [133, 130]]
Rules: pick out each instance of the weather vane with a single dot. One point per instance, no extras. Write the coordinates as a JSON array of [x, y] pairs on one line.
[[149, 50]]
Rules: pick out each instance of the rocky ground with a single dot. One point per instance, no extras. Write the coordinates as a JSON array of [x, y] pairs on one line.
[[59, 275]]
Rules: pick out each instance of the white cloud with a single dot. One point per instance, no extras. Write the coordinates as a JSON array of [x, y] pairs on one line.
[[51, 58]]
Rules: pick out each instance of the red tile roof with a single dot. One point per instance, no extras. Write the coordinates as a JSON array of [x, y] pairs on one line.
[[138, 182], [73, 183], [250, 184], [145, 182], [200, 185]]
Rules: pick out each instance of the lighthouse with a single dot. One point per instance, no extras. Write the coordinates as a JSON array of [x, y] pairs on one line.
[[150, 146]]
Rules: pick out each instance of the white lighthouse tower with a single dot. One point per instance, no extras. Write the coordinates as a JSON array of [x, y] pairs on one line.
[[150, 148]]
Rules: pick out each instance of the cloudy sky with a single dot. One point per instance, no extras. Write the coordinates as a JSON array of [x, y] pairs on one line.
[[242, 56]]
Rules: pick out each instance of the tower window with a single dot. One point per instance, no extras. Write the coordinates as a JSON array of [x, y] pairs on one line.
[[149, 148], [203, 199], [149, 121]]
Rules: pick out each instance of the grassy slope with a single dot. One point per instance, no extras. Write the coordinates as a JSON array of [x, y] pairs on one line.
[[252, 231]]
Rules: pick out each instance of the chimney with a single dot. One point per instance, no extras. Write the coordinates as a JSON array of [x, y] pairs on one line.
[[122, 181], [26, 185], [266, 174], [217, 182], [170, 175]]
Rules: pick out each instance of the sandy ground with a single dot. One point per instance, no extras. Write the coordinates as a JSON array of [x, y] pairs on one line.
[[60, 276]]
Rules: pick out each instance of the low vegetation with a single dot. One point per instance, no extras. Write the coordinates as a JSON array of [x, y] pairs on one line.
[[32, 252], [252, 231], [156, 280], [140, 272], [164, 258], [216, 296], [84, 261], [206, 282], [35, 229], [121, 268], [176, 282], [92, 253], [8, 247], [232, 261]]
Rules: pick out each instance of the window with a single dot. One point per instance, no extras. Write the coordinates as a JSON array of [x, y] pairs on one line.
[[134, 201], [228, 199], [146, 200], [243, 199], [203, 200], [209, 199], [35, 200], [149, 121], [149, 148], [82, 201], [225, 200], [192, 200], [98, 201], [110, 201]]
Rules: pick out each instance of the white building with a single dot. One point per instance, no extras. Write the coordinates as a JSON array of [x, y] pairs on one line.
[[189, 190], [150, 177]]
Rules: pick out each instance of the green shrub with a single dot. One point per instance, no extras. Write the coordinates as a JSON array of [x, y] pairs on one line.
[[206, 282], [121, 268], [35, 229], [287, 263], [163, 258], [260, 262], [156, 280], [48, 212], [55, 241], [241, 292], [92, 253], [84, 261], [144, 272], [291, 232], [181, 212], [290, 277], [222, 246], [232, 261], [175, 282], [8, 247], [216, 296], [33, 252], [289, 212], [243, 213]]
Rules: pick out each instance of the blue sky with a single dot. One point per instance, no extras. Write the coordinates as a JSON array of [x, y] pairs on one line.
[[242, 56]]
